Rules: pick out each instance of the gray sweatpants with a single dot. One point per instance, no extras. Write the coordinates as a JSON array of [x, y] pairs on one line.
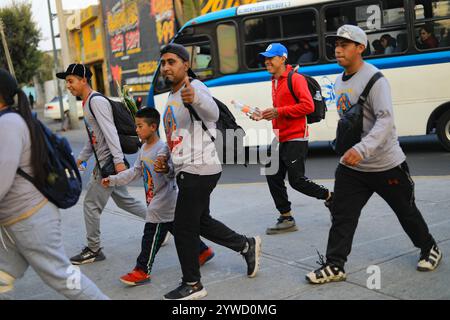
[[95, 201], [37, 242]]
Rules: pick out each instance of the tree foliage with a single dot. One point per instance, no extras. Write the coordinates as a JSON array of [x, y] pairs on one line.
[[45, 70], [23, 36]]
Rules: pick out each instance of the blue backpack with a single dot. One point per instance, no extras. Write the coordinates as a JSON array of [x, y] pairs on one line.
[[63, 186]]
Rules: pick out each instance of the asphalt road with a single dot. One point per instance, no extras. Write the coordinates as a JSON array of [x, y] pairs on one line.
[[424, 154]]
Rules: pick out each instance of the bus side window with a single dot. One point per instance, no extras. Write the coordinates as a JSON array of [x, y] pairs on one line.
[[445, 37], [432, 24], [258, 29], [431, 9], [303, 26], [433, 35], [386, 32], [259, 33], [303, 51], [201, 58], [228, 51]]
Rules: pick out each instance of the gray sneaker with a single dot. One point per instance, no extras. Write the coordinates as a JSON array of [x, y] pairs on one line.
[[284, 224]]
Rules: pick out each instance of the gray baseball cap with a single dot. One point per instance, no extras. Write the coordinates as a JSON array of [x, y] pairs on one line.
[[353, 33]]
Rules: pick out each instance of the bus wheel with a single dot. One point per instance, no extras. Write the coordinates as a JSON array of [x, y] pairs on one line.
[[443, 130]]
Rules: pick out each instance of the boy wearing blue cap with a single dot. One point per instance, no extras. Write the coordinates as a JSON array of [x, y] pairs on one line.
[[289, 123]]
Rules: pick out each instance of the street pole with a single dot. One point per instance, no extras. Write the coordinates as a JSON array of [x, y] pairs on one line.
[[5, 48], [65, 52], [55, 58]]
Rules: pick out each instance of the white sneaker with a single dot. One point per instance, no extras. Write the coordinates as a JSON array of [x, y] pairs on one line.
[[326, 273], [430, 260]]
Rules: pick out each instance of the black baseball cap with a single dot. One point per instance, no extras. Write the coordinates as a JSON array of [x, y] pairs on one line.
[[76, 69], [8, 86], [180, 51]]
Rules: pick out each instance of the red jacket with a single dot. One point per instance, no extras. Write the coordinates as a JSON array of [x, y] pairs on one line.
[[291, 122]]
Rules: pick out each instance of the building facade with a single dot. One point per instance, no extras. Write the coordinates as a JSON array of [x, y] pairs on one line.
[[87, 45], [135, 31]]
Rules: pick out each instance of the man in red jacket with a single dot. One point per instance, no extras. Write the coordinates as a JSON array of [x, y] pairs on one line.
[[290, 126]]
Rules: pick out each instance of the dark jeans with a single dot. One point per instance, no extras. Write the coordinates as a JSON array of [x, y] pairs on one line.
[[154, 235], [292, 157], [193, 219], [353, 189]]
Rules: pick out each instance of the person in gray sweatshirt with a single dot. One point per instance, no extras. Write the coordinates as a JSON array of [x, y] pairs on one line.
[[198, 169], [374, 165], [30, 225], [105, 140]]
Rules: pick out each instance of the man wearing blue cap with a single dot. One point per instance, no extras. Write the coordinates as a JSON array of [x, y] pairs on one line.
[[289, 123]]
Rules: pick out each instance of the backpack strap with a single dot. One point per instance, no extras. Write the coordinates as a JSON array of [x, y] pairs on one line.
[[25, 175], [194, 114], [92, 145], [87, 126], [362, 99], [291, 88], [89, 102], [19, 170]]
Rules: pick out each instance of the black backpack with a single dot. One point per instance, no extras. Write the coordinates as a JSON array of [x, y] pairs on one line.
[[231, 132], [320, 107], [125, 125], [63, 186], [350, 125]]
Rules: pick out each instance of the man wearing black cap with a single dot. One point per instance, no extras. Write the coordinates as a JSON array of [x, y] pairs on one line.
[[198, 170], [105, 140]]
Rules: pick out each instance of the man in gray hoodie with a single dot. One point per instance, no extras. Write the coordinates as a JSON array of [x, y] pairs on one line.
[[374, 165], [105, 140], [197, 169]]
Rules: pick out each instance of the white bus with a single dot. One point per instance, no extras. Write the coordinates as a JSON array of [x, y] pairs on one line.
[[408, 40]]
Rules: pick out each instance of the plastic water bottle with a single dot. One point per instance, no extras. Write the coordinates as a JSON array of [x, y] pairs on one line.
[[243, 108], [318, 96], [83, 166]]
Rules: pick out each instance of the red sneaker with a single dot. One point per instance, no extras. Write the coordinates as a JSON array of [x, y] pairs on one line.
[[135, 277], [205, 256]]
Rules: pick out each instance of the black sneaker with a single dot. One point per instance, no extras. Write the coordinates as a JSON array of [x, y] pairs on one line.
[[88, 256], [187, 292], [326, 273], [252, 256], [430, 260]]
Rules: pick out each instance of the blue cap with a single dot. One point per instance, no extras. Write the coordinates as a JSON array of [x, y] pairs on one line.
[[275, 50]]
